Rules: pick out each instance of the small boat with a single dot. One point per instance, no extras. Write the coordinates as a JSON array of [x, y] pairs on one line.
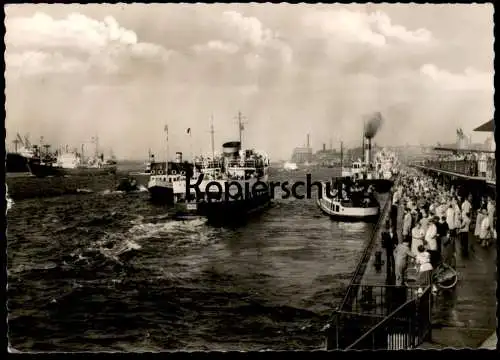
[[127, 185], [348, 201], [290, 166]]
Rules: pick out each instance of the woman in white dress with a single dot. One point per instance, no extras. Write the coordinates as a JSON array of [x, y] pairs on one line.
[[485, 231], [479, 220], [417, 237]]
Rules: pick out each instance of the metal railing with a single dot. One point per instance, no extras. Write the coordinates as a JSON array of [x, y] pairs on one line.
[[406, 327], [245, 163], [380, 300], [464, 167], [372, 305]]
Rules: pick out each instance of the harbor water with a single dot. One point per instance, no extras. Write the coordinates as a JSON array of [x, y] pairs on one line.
[[107, 271]]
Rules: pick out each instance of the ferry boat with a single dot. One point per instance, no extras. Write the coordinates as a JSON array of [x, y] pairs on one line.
[[349, 200], [380, 172], [167, 180], [236, 170]]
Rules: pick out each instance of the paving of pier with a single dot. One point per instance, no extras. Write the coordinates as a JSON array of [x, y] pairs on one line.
[[466, 316]]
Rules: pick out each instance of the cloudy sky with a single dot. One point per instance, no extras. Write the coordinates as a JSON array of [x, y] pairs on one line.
[[125, 71]]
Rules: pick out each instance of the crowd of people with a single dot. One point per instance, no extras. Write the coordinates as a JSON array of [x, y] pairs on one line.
[[436, 219]]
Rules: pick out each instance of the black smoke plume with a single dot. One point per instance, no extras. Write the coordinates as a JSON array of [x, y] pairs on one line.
[[373, 125]]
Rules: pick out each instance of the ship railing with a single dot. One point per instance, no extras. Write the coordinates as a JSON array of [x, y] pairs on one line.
[[245, 164], [209, 164]]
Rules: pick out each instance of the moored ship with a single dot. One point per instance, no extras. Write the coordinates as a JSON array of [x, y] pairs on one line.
[[73, 164], [29, 159]]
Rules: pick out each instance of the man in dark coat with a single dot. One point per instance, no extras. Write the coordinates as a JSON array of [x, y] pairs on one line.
[[389, 242]]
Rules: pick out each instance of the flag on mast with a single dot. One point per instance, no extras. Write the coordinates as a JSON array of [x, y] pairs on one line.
[[188, 131]]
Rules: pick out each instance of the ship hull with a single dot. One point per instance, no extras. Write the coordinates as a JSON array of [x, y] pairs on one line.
[[16, 163], [338, 212], [42, 170], [106, 170], [224, 212], [161, 195]]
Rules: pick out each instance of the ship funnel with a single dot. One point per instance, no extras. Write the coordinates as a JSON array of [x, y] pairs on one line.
[[231, 149], [178, 157], [368, 150]]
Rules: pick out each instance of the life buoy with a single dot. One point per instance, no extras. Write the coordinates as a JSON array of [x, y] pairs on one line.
[[160, 172], [183, 172], [153, 172], [174, 172]]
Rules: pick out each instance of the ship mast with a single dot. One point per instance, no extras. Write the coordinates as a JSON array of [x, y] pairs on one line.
[[241, 124], [341, 155], [363, 141], [96, 143], [212, 132], [16, 143]]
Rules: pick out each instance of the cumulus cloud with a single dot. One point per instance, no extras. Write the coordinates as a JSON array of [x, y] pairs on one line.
[[217, 45], [470, 79], [40, 43], [289, 69], [252, 33], [249, 29], [375, 29]]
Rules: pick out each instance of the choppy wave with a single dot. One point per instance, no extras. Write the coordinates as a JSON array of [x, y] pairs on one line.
[[116, 273]]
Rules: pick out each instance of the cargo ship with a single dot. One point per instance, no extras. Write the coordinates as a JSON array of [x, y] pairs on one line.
[[74, 164], [29, 160]]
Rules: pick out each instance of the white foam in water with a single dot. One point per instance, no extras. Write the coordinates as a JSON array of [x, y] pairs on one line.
[[146, 230], [125, 242], [10, 202], [84, 190], [109, 192]]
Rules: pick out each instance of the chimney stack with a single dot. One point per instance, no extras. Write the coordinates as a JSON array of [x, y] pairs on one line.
[[324, 147], [178, 157], [368, 150]]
